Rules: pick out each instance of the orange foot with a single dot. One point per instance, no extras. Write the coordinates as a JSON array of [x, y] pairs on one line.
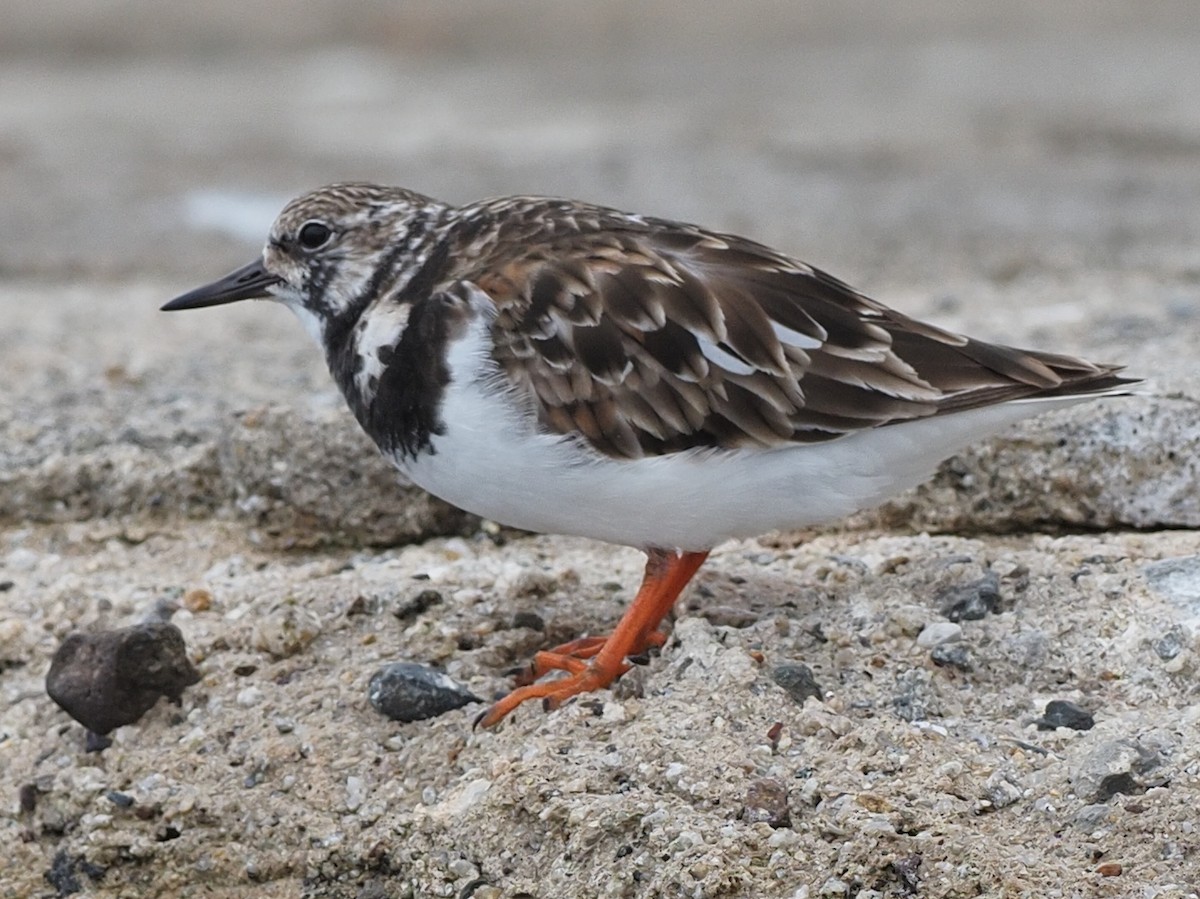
[[567, 656], [592, 663]]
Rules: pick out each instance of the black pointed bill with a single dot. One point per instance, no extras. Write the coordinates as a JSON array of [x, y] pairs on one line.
[[250, 282]]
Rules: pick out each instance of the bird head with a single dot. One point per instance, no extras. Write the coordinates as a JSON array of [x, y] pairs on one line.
[[329, 254]]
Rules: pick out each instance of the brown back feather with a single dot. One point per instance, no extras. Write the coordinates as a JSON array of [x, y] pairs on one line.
[[649, 337]]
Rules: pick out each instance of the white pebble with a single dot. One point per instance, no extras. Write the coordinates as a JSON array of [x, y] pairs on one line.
[[356, 792], [460, 867], [249, 697], [938, 632]]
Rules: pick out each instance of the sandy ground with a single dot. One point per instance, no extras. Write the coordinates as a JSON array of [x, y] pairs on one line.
[[1025, 172]]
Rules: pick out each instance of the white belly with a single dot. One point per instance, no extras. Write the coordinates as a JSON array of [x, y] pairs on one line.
[[490, 462]]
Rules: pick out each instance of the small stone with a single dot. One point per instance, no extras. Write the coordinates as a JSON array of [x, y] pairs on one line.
[[973, 601], [613, 713], [1177, 580], [12, 638], [481, 889], [907, 871], [120, 800], [286, 631], [197, 600], [1062, 713], [1171, 644], [22, 559], [938, 632], [1000, 790], [1092, 816], [460, 802], [798, 681], [905, 620], [361, 605], [27, 798], [417, 605], [528, 582], [462, 868], [406, 691], [951, 656], [111, 678], [249, 697], [529, 620], [914, 699], [65, 870], [1110, 869], [1117, 766], [356, 792], [767, 803]]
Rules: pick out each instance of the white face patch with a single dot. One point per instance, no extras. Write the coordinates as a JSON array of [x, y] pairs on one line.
[[313, 324]]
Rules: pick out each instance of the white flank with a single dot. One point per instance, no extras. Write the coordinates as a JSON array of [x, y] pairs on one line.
[[492, 462]]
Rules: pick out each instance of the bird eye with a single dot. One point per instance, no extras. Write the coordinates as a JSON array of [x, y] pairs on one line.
[[314, 235]]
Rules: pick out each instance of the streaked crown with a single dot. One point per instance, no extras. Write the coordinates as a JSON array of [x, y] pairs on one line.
[[339, 248]]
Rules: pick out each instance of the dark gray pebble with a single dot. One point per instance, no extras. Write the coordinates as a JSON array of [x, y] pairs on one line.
[[65, 870], [121, 800], [1061, 713], [27, 798], [406, 691], [951, 655], [417, 605], [111, 678], [973, 601], [798, 680], [907, 872], [1171, 643], [529, 620]]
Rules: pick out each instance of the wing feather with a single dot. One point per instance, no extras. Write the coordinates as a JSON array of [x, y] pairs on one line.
[[645, 337]]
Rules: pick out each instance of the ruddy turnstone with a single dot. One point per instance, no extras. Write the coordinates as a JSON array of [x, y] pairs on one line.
[[567, 368]]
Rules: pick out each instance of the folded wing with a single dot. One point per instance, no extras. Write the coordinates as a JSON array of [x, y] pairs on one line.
[[647, 337]]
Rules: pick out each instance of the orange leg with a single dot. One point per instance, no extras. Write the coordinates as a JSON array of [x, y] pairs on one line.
[[667, 573]]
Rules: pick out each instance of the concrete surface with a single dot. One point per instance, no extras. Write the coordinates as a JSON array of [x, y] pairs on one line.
[[1028, 172]]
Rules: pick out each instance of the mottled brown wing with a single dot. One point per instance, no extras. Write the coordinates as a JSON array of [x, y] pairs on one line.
[[649, 338]]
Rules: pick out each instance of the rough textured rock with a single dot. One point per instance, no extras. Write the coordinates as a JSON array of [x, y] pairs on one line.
[[314, 478], [296, 475], [106, 679], [1123, 463]]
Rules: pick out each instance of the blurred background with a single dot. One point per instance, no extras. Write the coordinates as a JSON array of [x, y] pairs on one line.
[[893, 144]]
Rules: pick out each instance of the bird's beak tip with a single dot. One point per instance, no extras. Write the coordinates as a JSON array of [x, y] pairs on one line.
[[246, 283]]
